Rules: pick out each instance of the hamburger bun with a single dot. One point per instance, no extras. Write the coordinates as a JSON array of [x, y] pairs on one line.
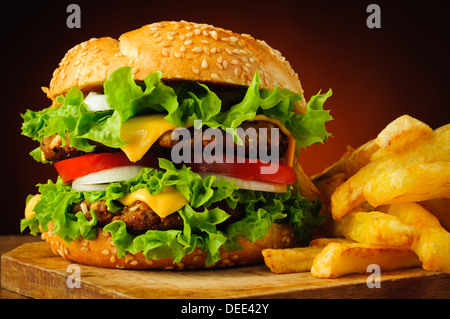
[[181, 51], [101, 252]]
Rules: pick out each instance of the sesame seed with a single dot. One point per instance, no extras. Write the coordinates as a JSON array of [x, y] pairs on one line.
[[205, 33], [149, 261], [224, 63], [225, 39], [214, 34], [234, 61], [236, 71], [219, 59], [158, 39], [134, 262], [112, 259], [105, 252], [172, 33], [233, 39], [235, 51], [177, 54], [85, 249], [156, 34], [197, 50], [213, 50], [183, 48], [182, 37], [188, 42], [170, 37], [244, 59], [77, 63], [205, 41], [245, 68], [197, 31], [189, 34], [195, 70], [204, 64], [166, 44], [166, 52], [206, 49], [215, 76]]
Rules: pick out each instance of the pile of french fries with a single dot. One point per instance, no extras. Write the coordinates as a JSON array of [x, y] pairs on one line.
[[388, 204]]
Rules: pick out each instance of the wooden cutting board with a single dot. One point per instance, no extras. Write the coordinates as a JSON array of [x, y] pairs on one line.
[[33, 270]]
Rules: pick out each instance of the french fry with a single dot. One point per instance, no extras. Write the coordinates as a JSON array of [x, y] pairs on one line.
[[349, 163], [375, 228], [400, 134], [432, 242], [322, 241], [300, 259], [414, 183], [338, 259], [350, 194], [290, 260], [439, 207]]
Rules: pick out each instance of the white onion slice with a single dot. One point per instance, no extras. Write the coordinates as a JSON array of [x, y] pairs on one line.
[[96, 102], [89, 187], [99, 180], [251, 184]]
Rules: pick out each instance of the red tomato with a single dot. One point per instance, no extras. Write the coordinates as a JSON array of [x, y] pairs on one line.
[[76, 167], [282, 173]]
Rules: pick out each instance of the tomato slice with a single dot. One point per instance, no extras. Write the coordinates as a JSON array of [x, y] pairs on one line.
[[80, 166], [77, 167], [243, 168]]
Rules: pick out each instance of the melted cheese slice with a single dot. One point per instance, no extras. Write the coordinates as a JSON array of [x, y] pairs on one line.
[[290, 153], [163, 204], [141, 133]]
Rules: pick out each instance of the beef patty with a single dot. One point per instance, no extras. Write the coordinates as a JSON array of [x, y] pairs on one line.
[[53, 149]]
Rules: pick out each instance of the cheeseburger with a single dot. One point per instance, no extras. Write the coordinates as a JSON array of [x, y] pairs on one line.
[[176, 147]]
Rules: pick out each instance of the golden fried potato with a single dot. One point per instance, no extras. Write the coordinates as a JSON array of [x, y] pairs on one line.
[[400, 134], [439, 207], [300, 259], [350, 194], [413, 183], [432, 241], [338, 259], [375, 228], [349, 163], [289, 260]]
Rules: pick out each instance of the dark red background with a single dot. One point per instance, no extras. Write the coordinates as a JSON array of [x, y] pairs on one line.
[[376, 74]]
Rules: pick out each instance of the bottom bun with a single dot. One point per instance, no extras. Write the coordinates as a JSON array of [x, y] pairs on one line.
[[102, 252]]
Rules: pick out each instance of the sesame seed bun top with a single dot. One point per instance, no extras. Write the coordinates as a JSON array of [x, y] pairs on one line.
[[181, 51]]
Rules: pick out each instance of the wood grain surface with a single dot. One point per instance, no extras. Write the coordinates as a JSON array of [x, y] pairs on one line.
[[33, 270]]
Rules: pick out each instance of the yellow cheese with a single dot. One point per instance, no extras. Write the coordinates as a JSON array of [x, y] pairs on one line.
[[141, 133], [30, 206], [290, 153], [165, 203]]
